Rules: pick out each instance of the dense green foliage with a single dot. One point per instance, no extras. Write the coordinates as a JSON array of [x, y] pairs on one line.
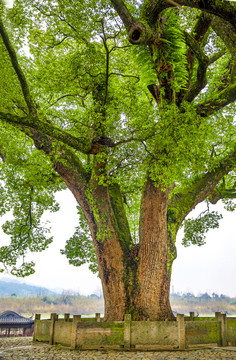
[[73, 86]]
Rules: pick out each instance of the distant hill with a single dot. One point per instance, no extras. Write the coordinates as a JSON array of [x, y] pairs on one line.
[[9, 287]]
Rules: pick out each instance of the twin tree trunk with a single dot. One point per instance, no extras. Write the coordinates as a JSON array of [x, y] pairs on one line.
[[135, 277]]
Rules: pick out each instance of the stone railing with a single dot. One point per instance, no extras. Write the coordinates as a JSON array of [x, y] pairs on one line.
[[94, 333]]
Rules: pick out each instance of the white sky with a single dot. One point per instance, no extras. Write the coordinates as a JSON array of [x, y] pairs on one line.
[[9, 3], [210, 268]]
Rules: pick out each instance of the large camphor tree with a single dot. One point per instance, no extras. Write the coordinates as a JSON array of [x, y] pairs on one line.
[[130, 105]]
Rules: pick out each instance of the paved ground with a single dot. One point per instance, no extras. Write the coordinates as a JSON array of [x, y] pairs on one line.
[[24, 349]]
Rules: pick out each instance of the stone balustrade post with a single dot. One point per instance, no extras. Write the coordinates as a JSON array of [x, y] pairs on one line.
[[54, 318], [223, 330], [98, 317], [217, 315], [37, 317], [191, 315], [127, 331], [76, 320], [181, 331], [66, 317]]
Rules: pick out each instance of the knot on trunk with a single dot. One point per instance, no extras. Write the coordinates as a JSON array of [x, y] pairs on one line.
[[140, 34]]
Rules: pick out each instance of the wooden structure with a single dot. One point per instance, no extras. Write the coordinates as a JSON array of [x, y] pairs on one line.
[[13, 324]]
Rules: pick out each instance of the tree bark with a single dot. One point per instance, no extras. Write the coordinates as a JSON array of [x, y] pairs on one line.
[[96, 204], [152, 298], [109, 252], [136, 283]]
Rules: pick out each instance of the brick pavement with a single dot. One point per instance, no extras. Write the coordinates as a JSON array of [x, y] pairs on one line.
[[25, 349]]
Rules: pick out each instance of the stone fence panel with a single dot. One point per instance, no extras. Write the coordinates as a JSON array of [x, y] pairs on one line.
[[199, 332], [100, 335], [154, 333], [96, 334], [231, 331]]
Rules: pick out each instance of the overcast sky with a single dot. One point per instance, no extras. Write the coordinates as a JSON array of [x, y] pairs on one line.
[[210, 268]]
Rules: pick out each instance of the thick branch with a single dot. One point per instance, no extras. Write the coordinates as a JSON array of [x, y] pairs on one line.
[[223, 9], [227, 76], [138, 32], [219, 194], [18, 70], [124, 13], [151, 10], [195, 41], [49, 130], [203, 63], [216, 56], [218, 101], [141, 34], [184, 202], [67, 165], [201, 26], [226, 32]]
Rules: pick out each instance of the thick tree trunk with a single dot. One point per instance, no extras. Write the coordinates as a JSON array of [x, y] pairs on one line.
[[152, 298], [109, 242], [136, 283], [111, 270]]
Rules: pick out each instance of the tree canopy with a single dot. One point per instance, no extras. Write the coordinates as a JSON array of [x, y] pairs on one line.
[[115, 100]]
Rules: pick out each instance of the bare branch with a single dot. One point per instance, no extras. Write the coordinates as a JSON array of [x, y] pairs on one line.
[[121, 142], [125, 75], [59, 43], [63, 19], [82, 97]]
